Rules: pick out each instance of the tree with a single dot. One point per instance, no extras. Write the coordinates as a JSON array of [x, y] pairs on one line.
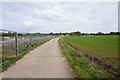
[[112, 33], [100, 33], [51, 33], [92, 33], [117, 33], [75, 33]]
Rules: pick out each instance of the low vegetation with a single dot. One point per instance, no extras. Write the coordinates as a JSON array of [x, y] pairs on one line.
[[9, 54], [104, 48], [82, 66]]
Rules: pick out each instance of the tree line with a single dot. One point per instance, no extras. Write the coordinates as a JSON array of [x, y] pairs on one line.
[[77, 33]]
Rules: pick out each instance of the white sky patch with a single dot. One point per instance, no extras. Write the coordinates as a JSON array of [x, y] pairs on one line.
[[0, 13], [28, 23], [60, 16], [59, 0], [0, 25]]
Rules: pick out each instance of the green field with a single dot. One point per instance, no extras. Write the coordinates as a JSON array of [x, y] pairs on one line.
[[103, 48], [97, 46], [82, 66]]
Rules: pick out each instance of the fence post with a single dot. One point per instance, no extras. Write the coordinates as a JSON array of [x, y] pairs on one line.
[[16, 43], [30, 40]]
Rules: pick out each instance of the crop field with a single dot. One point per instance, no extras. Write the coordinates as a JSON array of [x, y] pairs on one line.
[[103, 48], [98, 46], [82, 66]]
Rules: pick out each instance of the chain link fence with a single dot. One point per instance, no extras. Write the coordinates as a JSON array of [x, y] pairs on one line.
[[7, 44], [14, 44], [0, 59]]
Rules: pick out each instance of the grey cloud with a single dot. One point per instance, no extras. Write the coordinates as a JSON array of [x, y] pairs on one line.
[[60, 17]]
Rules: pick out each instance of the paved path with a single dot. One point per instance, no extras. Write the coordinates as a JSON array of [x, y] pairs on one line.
[[46, 61]]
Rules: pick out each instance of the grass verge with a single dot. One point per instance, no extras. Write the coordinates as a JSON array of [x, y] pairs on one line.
[[12, 60], [82, 67]]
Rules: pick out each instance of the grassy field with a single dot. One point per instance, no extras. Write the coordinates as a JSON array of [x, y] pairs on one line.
[[98, 46], [104, 48], [82, 66]]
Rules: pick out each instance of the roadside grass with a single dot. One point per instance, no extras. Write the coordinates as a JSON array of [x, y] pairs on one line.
[[22, 51], [104, 48], [82, 66], [12, 61], [0, 59], [8, 51], [0, 37]]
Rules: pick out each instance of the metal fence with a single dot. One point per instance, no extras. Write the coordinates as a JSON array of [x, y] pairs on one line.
[[0, 59], [13, 44]]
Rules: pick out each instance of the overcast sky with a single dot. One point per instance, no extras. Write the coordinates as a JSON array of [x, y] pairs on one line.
[[60, 16]]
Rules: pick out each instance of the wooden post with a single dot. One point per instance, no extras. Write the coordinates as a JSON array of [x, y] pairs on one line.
[[30, 40], [16, 43]]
